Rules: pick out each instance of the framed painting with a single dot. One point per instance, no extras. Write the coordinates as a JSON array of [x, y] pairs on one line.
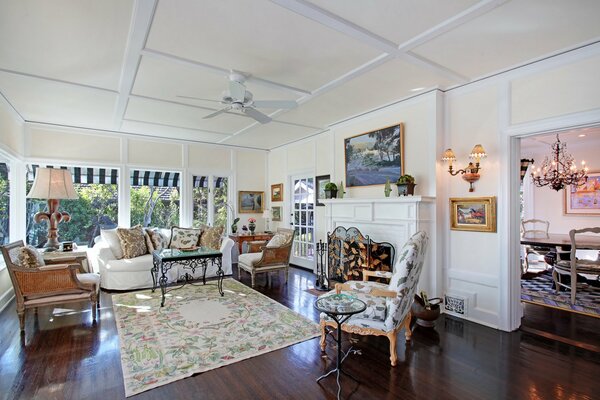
[[321, 181], [584, 199], [250, 202], [473, 214], [277, 192], [276, 213], [372, 158]]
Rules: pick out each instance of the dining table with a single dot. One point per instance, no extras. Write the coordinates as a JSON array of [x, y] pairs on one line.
[[584, 242]]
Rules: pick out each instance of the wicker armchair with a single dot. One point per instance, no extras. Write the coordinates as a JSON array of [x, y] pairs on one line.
[[46, 285], [263, 258]]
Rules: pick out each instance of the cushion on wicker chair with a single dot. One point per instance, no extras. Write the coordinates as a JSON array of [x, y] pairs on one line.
[[30, 257]]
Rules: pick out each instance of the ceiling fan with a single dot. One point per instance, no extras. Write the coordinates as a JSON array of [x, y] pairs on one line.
[[237, 98]]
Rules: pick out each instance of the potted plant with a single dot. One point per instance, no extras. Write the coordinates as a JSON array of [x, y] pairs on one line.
[[426, 310], [331, 190], [234, 225], [406, 185]]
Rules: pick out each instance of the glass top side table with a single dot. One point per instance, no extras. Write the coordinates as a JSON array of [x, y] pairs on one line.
[[339, 307]]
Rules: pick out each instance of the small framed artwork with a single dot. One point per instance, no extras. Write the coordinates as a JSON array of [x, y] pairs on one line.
[[277, 192], [372, 158], [473, 214], [276, 213], [585, 198], [321, 181], [250, 202]]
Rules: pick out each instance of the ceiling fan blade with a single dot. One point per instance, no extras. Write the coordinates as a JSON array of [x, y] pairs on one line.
[[198, 98], [237, 91], [221, 111], [275, 104], [257, 115]]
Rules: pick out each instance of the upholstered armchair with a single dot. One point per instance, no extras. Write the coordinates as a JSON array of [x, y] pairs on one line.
[[273, 255], [47, 285], [388, 306]]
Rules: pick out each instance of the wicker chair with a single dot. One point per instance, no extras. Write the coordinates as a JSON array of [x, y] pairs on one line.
[[262, 258], [47, 285]]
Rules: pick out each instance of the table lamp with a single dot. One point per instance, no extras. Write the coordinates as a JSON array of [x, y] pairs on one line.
[[53, 185], [266, 215]]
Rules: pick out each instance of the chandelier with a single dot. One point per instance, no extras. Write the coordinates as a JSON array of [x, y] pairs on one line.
[[560, 170]]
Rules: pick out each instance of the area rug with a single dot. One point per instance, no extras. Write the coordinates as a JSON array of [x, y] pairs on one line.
[[198, 330], [539, 289]]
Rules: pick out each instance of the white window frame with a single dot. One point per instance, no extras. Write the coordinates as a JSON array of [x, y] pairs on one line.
[[210, 217]]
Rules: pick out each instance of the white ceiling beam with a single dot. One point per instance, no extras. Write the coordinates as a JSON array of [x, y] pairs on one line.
[[177, 126], [62, 82], [141, 22]]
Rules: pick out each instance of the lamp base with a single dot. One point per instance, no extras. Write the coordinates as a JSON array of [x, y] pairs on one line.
[[54, 217]]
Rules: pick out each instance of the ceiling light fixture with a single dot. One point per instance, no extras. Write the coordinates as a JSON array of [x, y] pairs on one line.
[[559, 170]]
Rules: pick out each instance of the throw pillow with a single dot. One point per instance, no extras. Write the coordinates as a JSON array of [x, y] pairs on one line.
[[30, 257], [159, 241], [211, 237], [279, 239], [132, 241], [184, 237], [149, 244], [114, 243]]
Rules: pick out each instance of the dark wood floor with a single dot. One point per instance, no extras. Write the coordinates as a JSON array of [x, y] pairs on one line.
[[64, 356]]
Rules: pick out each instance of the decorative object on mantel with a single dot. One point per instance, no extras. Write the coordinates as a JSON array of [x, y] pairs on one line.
[[559, 170], [277, 192], [473, 214], [341, 191], [252, 224], [331, 190], [373, 157], [471, 172], [322, 282], [388, 188], [53, 185], [234, 225], [406, 185], [321, 181], [426, 310], [584, 199]]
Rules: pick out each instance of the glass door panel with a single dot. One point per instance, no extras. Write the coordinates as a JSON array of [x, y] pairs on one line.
[[303, 221]]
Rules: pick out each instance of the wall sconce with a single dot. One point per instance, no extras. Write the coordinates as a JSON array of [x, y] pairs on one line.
[[471, 172]]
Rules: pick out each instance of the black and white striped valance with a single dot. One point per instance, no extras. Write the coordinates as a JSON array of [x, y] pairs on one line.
[[81, 175], [154, 178], [525, 163], [202, 181]]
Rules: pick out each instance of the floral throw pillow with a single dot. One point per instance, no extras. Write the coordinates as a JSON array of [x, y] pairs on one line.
[[279, 239], [29, 257], [211, 237], [182, 238], [158, 240], [133, 241]]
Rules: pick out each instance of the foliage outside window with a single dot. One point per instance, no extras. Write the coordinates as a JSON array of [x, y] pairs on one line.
[[221, 191], [156, 202], [4, 204], [200, 195], [203, 201]]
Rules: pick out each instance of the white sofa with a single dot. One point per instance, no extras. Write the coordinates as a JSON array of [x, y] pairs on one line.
[[134, 273]]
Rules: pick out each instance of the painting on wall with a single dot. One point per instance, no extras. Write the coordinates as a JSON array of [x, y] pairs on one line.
[[276, 213], [321, 181], [473, 214], [250, 202], [585, 198], [277, 192], [372, 158]]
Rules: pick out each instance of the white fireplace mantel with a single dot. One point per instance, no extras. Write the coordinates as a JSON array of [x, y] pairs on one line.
[[390, 219]]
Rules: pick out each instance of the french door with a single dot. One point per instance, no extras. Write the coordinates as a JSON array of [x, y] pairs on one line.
[[302, 220]]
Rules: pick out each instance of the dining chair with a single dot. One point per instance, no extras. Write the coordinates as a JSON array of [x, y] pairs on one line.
[[573, 266], [534, 229]]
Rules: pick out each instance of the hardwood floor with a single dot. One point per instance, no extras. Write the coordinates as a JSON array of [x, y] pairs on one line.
[[63, 356]]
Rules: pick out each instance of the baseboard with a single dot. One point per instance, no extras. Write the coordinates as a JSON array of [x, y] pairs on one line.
[[6, 298]]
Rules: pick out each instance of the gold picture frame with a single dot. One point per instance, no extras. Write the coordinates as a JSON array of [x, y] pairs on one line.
[[250, 202], [277, 192], [476, 214]]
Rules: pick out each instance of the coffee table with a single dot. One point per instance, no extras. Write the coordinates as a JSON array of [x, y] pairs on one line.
[[165, 259], [339, 307]]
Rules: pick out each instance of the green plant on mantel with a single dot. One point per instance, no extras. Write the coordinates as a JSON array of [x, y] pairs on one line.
[[405, 179], [331, 186]]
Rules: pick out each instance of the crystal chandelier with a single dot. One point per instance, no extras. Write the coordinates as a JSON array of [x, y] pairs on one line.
[[560, 170]]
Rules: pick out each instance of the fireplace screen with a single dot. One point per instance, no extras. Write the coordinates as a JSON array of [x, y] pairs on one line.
[[349, 252]]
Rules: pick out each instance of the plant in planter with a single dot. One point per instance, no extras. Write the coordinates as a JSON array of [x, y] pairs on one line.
[[406, 185], [331, 190], [426, 310], [234, 225]]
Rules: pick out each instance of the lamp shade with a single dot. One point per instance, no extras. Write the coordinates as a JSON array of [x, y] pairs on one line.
[[448, 155], [478, 152], [51, 183]]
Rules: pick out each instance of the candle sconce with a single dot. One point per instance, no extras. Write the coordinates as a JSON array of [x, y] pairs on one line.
[[471, 172]]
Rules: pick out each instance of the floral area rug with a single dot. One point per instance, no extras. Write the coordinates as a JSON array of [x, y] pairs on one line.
[[539, 289], [198, 330]]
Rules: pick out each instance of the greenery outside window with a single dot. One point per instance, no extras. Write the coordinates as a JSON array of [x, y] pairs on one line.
[[210, 198], [4, 204], [155, 198]]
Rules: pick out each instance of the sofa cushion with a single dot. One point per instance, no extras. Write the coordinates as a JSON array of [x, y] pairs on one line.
[[30, 257], [142, 263], [159, 241], [249, 259], [133, 241], [184, 237], [211, 237], [114, 243], [279, 239], [149, 244]]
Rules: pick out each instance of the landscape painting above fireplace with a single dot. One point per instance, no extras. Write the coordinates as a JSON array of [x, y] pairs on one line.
[[374, 157]]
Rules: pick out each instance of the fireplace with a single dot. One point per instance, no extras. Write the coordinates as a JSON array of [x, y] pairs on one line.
[[349, 252]]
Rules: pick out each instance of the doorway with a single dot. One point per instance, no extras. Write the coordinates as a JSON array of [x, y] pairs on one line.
[[302, 217]]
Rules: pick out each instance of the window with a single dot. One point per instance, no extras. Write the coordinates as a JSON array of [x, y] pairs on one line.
[[210, 206], [96, 208], [155, 198], [4, 204]]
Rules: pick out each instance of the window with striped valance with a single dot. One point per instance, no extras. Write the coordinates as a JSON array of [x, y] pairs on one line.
[[202, 181], [81, 174], [155, 178]]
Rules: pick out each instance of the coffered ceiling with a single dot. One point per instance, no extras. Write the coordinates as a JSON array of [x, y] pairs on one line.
[[124, 65]]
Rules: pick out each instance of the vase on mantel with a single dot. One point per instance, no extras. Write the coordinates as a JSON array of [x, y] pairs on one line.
[[252, 227]]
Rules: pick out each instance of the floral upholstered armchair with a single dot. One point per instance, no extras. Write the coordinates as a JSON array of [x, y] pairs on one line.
[[388, 306]]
